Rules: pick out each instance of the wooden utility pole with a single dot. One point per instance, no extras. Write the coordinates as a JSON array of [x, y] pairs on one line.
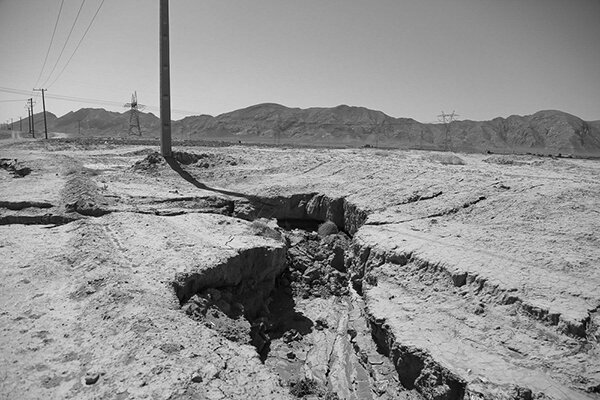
[[28, 117], [165, 82], [31, 119], [44, 106], [20, 124]]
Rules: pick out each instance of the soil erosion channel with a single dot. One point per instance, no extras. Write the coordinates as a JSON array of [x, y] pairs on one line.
[[308, 325]]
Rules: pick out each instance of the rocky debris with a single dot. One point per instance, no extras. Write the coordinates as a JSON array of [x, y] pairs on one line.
[[14, 167], [202, 160], [306, 388], [317, 266], [149, 163], [220, 309]]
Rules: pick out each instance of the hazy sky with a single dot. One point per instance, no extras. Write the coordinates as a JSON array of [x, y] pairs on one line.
[[413, 58]]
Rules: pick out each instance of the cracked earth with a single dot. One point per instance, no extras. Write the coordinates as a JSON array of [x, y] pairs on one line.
[[212, 276]]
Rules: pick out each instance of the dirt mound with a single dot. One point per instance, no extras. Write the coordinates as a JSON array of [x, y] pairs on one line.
[[141, 152], [503, 160], [149, 163], [202, 160]]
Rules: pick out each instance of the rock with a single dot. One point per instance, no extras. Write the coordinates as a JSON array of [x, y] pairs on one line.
[[292, 336], [312, 273], [321, 324], [91, 378]]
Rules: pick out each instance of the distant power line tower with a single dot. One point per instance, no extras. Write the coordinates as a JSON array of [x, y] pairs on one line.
[[446, 119], [134, 115]]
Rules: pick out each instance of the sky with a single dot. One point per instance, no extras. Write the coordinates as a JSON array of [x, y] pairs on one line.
[[407, 58]]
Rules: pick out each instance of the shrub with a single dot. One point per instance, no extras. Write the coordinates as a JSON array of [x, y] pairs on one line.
[[260, 227]]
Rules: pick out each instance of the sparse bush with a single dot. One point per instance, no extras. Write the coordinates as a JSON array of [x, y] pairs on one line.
[[327, 228], [260, 227]]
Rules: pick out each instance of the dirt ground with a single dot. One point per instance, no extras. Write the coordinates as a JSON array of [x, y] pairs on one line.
[[469, 275]]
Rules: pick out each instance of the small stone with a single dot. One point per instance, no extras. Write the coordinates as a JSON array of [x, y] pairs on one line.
[[291, 355], [292, 336], [91, 378], [197, 379], [321, 323]]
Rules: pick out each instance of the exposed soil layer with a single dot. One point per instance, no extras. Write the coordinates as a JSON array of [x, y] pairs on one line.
[[212, 275], [308, 326]]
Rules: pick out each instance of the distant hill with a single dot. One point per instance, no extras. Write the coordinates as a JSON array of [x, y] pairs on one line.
[[548, 131], [545, 131]]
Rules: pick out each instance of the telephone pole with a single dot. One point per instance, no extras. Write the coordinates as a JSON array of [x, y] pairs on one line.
[[446, 119], [31, 119], [165, 83], [28, 117], [20, 124], [44, 105]]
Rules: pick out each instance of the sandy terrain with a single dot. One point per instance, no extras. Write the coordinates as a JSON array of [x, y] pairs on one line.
[[455, 276]]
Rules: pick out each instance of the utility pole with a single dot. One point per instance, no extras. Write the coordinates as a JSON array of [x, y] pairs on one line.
[[44, 105], [20, 124], [32, 122], [28, 117], [446, 119], [165, 82]]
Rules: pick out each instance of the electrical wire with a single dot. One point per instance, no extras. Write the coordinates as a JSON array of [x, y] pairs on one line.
[[65, 45], [50, 45], [78, 44], [90, 101], [8, 101]]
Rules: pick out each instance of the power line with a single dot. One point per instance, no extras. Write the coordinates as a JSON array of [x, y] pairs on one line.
[[78, 44], [51, 41], [65, 45], [89, 100], [8, 101]]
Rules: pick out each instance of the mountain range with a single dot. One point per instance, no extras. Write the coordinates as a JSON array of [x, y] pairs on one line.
[[548, 131]]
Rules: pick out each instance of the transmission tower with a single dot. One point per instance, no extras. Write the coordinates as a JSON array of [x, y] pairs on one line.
[[446, 119], [134, 115]]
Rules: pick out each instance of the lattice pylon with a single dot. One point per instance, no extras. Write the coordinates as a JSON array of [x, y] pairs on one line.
[[134, 115]]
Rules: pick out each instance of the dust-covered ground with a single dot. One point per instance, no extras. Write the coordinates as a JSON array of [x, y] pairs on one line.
[[443, 276]]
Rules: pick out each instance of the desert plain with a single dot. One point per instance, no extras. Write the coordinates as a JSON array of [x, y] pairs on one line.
[[274, 272]]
